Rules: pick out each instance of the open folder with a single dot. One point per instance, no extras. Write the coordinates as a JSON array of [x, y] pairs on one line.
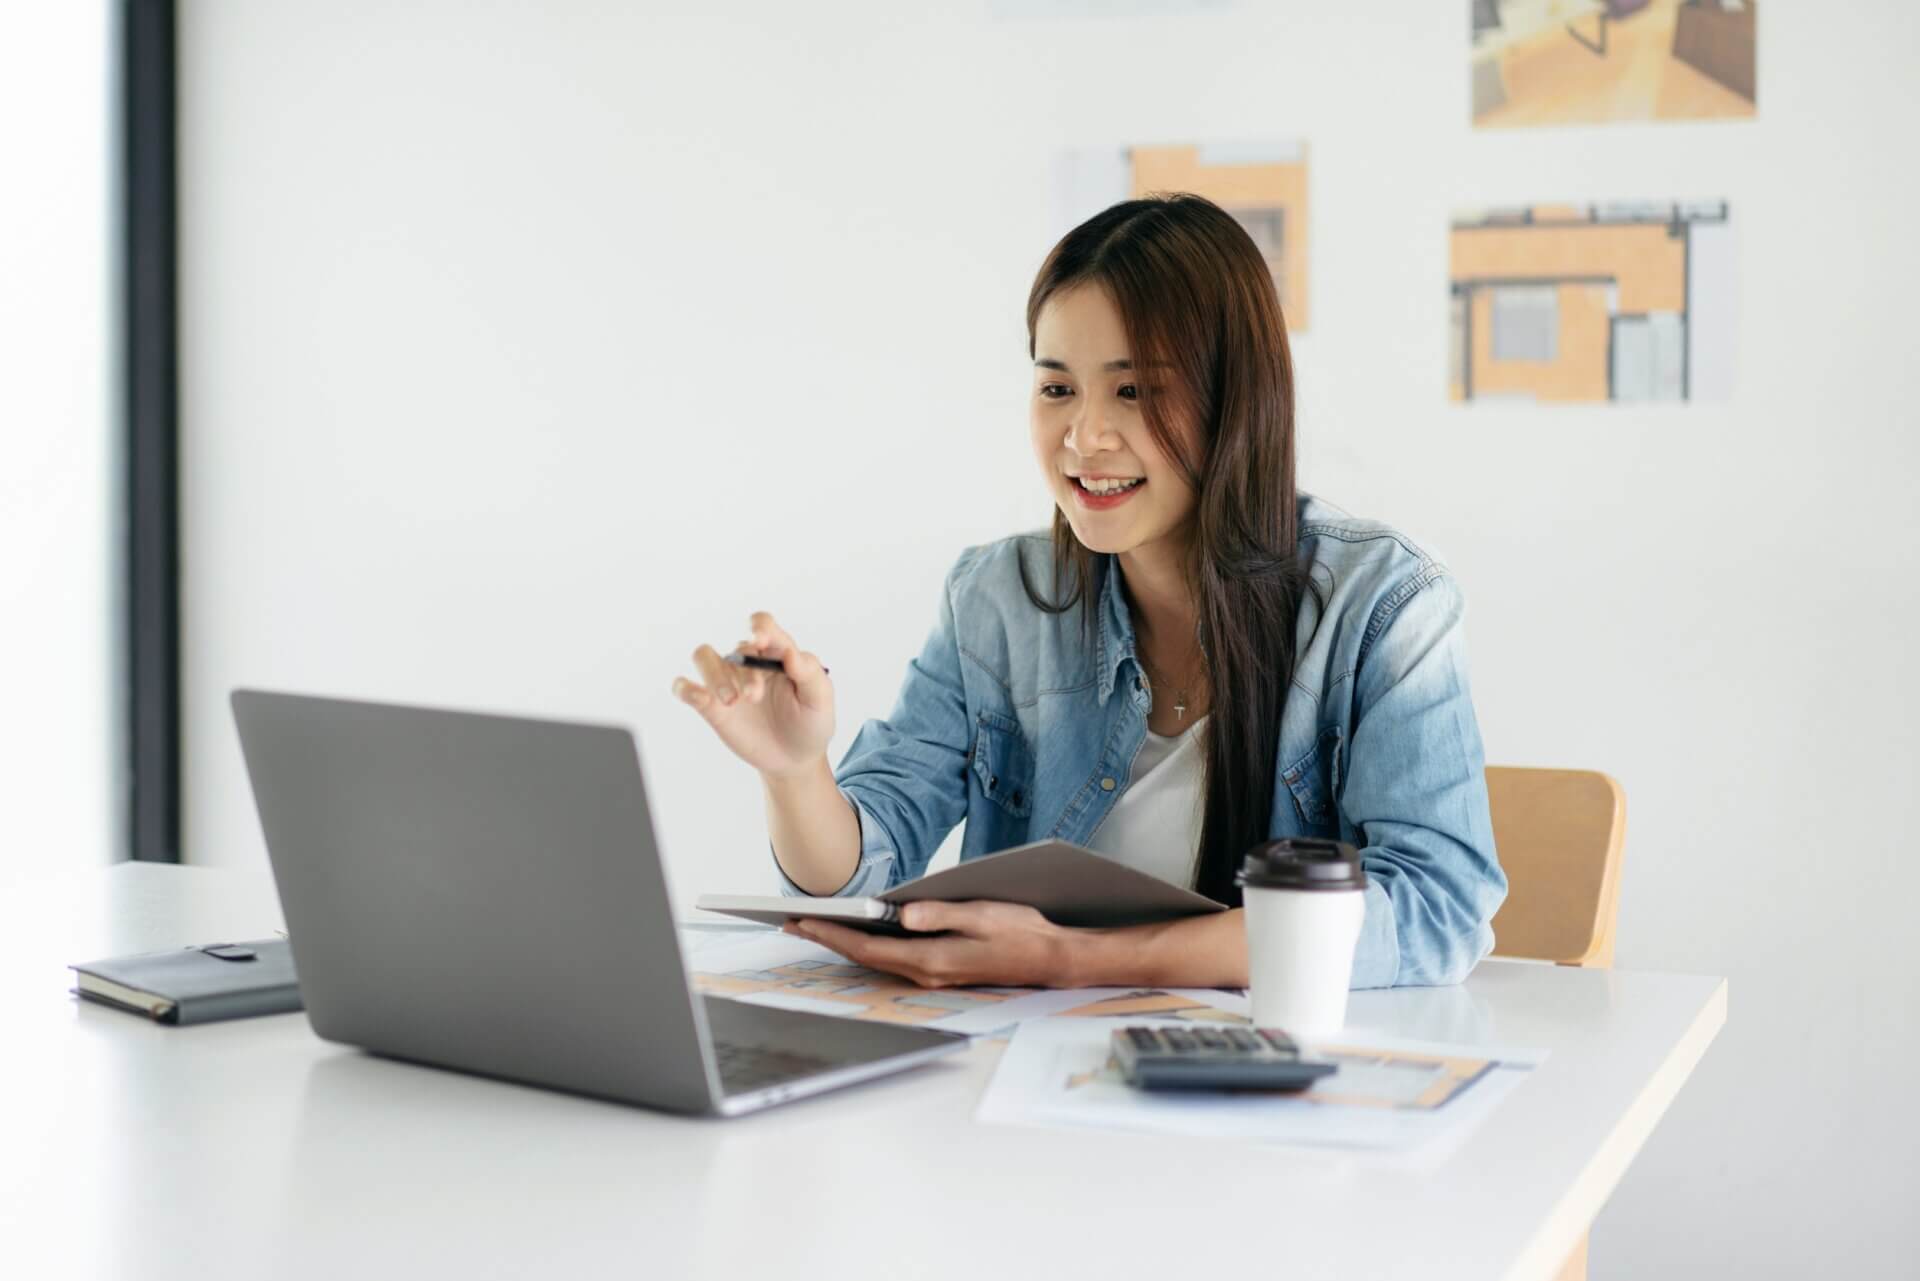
[[1069, 885]]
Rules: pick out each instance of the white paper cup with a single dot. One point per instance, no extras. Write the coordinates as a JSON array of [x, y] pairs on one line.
[[1305, 901]]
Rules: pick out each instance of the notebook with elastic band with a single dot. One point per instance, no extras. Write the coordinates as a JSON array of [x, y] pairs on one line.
[[196, 984]]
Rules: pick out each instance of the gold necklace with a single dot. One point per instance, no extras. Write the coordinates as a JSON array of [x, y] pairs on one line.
[[1179, 693]]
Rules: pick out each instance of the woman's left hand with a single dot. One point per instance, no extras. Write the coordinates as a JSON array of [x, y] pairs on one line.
[[997, 944]]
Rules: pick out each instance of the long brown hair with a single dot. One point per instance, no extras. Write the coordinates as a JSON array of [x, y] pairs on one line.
[[1195, 295]]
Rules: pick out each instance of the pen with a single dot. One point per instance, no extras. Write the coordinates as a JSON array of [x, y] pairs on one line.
[[766, 664]]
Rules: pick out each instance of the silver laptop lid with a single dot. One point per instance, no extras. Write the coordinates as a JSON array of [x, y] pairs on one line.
[[476, 891]]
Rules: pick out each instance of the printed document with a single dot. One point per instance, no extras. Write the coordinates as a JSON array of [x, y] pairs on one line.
[[1389, 1095], [766, 967]]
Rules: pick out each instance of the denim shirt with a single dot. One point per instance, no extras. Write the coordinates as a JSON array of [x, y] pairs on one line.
[[1009, 721]]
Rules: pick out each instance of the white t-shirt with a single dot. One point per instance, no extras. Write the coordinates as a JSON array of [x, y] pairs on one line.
[[1155, 824]]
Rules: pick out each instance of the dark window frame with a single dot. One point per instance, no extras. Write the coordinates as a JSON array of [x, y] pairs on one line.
[[150, 418]]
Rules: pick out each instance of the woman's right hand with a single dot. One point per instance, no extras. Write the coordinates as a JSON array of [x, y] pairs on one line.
[[777, 722]]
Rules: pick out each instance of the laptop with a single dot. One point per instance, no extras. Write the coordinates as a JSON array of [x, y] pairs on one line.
[[485, 893]]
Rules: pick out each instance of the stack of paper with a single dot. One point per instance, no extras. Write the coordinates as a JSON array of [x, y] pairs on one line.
[[765, 967], [1410, 1099], [1389, 1095]]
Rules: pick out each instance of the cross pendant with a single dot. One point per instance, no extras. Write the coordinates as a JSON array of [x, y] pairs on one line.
[[1180, 708]]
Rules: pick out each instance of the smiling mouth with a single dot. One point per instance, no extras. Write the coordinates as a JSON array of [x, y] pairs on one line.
[[1107, 489]]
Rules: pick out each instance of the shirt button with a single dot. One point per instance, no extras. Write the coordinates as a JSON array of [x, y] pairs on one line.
[[1106, 785]]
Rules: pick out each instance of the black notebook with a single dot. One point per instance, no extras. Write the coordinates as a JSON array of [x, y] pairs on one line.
[[196, 984]]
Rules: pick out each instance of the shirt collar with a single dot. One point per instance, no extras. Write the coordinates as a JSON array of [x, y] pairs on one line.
[[1116, 628]]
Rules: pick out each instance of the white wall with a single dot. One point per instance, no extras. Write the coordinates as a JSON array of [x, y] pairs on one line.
[[63, 778], [529, 346], [1713, 311]]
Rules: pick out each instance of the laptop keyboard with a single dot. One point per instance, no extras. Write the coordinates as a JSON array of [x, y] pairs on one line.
[[752, 1067]]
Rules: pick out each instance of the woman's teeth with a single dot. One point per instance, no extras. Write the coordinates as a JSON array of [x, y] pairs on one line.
[[1107, 486]]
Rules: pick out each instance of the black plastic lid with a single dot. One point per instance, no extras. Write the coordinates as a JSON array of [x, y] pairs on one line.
[[1302, 864]]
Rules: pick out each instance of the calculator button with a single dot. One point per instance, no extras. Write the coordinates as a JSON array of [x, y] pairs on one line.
[[1143, 1038], [1277, 1039], [1179, 1040], [1241, 1040]]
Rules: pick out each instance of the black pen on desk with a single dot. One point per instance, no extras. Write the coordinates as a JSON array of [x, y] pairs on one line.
[[765, 664]]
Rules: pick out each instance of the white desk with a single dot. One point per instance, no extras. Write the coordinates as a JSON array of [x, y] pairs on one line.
[[133, 1150]]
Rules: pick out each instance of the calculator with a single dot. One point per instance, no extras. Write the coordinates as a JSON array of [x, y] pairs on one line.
[[1213, 1058]]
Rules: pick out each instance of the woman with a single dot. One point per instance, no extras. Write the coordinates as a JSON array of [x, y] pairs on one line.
[[1198, 659]]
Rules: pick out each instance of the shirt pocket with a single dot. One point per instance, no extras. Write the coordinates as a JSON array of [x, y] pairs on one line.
[[1314, 783], [1003, 765]]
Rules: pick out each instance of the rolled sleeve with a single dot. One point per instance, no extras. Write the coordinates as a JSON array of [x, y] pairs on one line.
[[875, 866], [1416, 790]]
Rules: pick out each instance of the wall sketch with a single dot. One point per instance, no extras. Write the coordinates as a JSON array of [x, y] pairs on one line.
[[1013, 10], [1262, 184], [1592, 303], [1557, 62]]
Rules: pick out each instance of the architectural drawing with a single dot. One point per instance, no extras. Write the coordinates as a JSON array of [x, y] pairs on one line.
[[1395, 1079], [1153, 1004], [1592, 303], [1262, 184], [1558, 62], [1387, 1079], [864, 993]]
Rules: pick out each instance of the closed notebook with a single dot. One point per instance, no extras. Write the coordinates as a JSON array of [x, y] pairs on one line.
[[1066, 883], [197, 984]]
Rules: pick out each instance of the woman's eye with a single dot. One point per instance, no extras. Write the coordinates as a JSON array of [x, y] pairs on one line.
[[1047, 391]]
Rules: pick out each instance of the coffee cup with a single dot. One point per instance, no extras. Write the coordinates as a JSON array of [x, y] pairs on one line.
[[1305, 900]]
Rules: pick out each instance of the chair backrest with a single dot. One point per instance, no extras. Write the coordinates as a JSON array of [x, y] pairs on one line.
[[1559, 834]]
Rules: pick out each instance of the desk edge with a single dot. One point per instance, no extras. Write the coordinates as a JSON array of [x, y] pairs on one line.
[[1573, 1215]]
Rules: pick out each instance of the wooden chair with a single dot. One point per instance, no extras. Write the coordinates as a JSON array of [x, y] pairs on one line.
[[1560, 834]]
